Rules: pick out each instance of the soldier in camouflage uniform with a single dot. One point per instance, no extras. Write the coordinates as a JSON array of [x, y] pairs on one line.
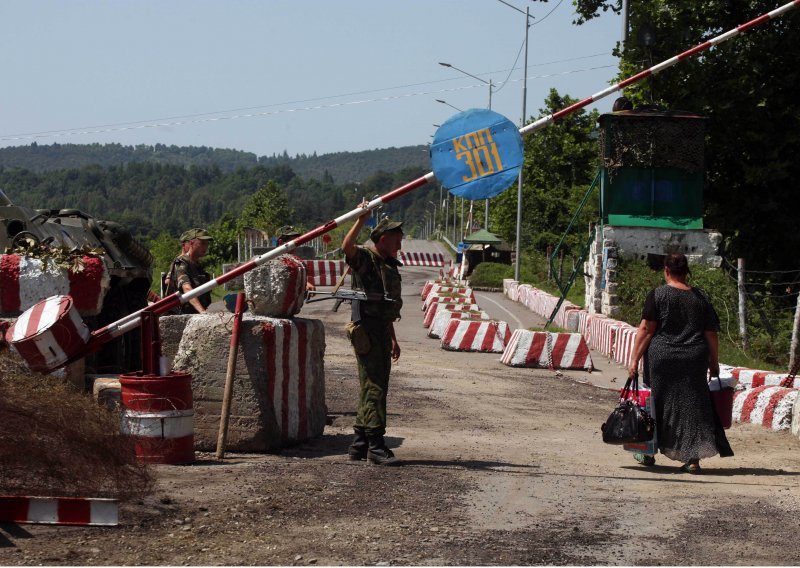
[[186, 273], [371, 332]]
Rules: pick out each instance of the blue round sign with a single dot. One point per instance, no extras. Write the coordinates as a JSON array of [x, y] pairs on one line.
[[477, 154]]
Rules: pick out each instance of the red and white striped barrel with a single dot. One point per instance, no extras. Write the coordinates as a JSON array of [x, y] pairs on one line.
[[769, 406], [158, 414], [482, 336], [49, 333], [324, 272]]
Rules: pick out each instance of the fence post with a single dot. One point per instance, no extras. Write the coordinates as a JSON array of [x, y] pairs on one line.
[[793, 362], [742, 303], [560, 264]]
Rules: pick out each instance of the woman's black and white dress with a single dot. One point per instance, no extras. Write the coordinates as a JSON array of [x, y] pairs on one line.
[[675, 367]]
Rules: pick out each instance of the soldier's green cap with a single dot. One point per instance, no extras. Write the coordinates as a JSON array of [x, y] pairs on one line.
[[287, 231], [385, 226], [201, 234]]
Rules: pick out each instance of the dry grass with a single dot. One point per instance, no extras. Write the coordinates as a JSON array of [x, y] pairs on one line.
[[55, 441]]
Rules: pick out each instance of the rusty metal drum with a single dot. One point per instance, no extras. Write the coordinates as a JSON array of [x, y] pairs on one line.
[[49, 333], [157, 412]]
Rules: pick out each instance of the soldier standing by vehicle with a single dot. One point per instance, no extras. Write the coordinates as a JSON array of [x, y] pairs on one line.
[[186, 273], [371, 332]]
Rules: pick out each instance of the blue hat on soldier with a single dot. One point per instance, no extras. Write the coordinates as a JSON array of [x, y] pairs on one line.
[[192, 234], [385, 226]]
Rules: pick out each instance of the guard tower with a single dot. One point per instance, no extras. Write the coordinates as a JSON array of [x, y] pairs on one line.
[[651, 197]]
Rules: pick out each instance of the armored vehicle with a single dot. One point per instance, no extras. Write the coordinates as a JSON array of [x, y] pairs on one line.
[[129, 266]]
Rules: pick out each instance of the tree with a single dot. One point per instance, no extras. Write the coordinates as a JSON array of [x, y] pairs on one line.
[[267, 209], [560, 163]]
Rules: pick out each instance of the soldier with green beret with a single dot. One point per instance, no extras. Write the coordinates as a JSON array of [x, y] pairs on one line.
[[371, 332], [186, 272]]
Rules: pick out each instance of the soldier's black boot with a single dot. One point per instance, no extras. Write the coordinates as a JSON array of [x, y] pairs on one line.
[[378, 453], [358, 449]]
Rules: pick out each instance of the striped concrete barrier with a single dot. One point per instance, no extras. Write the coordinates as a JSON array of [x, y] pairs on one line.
[[59, 511], [545, 350], [481, 336], [324, 272], [435, 307], [277, 288], [769, 406], [279, 392], [24, 281], [625, 336], [435, 299], [752, 378], [421, 259], [442, 320], [449, 291]]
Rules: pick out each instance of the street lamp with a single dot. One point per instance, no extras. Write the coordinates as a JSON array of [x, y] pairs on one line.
[[448, 104], [491, 89], [522, 123]]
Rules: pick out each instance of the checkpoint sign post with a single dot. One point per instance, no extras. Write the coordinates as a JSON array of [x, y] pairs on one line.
[[477, 154]]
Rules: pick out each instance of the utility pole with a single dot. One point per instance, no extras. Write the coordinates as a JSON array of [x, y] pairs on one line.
[[518, 258], [742, 303]]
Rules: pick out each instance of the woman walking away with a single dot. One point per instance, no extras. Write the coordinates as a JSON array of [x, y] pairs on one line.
[[678, 339]]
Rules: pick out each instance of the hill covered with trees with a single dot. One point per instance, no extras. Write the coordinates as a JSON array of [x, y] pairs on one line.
[[344, 167]]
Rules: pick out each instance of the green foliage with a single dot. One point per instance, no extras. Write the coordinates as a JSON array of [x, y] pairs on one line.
[[267, 209], [560, 164], [164, 249], [636, 280]]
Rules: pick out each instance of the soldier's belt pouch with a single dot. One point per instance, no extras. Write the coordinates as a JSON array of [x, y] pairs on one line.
[[358, 338]]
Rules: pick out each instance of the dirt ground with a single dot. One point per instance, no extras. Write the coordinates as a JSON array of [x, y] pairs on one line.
[[503, 466]]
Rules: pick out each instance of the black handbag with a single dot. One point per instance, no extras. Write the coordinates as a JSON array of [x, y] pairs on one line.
[[629, 422]]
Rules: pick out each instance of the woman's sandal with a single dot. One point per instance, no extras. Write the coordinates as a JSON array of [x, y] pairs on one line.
[[644, 459], [691, 468]]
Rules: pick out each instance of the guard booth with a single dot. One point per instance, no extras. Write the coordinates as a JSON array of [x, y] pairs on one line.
[[652, 168], [483, 246], [651, 198]]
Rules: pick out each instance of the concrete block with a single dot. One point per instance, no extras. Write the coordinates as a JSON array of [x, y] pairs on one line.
[[237, 283], [171, 330], [279, 385], [277, 288]]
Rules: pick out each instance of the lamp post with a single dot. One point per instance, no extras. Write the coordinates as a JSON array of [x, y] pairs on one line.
[[448, 104], [433, 228], [491, 90], [522, 123]]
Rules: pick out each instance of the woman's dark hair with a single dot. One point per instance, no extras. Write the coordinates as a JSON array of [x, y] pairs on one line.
[[677, 263]]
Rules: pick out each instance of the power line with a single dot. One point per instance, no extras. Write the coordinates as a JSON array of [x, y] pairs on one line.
[[186, 120]]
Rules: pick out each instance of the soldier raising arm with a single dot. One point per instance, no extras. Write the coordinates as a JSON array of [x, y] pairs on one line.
[[371, 332]]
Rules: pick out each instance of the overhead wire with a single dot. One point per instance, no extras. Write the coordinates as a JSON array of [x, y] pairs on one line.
[[185, 120]]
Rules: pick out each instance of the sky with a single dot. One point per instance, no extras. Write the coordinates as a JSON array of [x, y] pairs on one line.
[[269, 76]]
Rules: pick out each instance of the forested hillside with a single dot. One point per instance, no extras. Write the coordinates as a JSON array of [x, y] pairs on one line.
[[154, 198], [343, 167]]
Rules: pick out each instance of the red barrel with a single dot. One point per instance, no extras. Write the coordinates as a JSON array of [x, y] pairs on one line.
[[157, 411], [49, 333]]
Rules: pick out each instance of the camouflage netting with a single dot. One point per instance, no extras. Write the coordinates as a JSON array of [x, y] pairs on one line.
[[60, 442], [653, 142]]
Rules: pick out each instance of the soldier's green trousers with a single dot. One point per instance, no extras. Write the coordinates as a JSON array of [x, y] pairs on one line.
[[373, 375]]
